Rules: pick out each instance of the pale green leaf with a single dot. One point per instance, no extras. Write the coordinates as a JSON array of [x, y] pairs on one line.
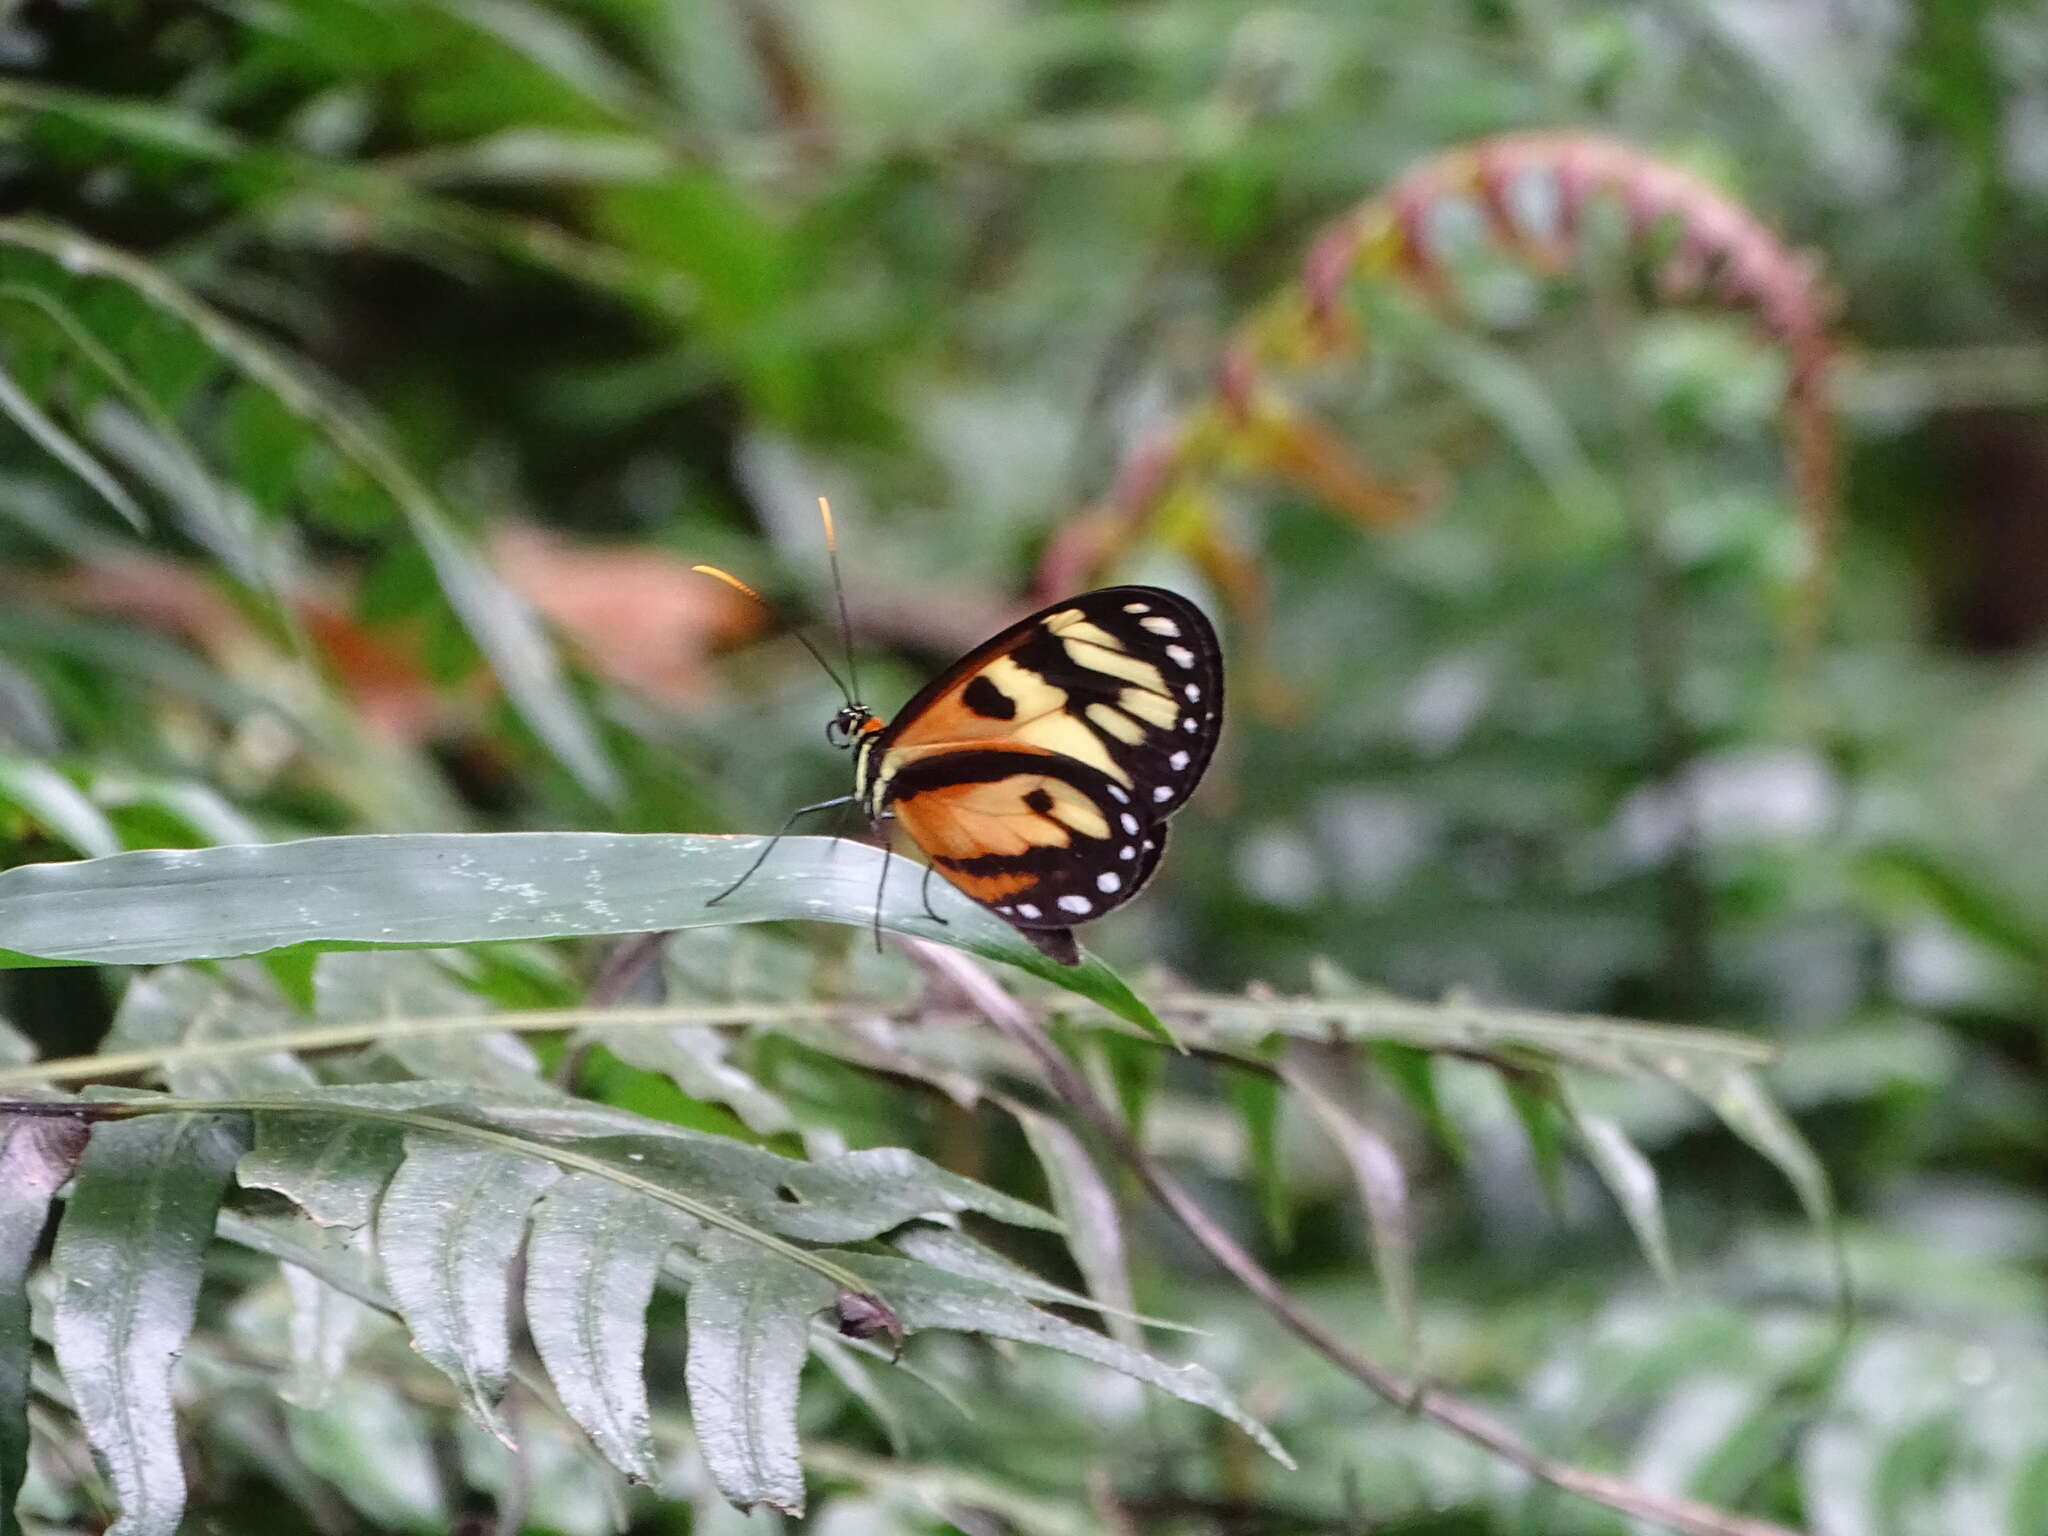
[[36, 1156], [694, 1059], [68, 451], [1082, 1199], [750, 1322], [1631, 1179], [923, 1297], [954, 1251], [42, 793], [591, 1266], [450, 1224], [377, 1449], [1382, 1185], [1752, 1114], [425, 890], [128, 1258], [325, 1321], [331, 1168], [184, 1005]]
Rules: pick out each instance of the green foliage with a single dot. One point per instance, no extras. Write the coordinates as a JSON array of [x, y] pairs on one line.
[[312, 317]]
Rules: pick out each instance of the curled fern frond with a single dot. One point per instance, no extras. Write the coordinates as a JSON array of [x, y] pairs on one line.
[[1533, 194]]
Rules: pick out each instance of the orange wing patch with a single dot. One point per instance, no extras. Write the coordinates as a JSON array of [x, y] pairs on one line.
[[1006, 817]]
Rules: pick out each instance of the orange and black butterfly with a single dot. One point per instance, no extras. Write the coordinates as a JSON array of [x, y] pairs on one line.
[[1037, 772]]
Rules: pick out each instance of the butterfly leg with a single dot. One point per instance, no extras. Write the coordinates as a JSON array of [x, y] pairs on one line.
[[882, 884], [924, 894], [762, 857]]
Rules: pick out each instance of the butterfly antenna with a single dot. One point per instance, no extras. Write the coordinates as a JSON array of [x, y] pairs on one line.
[[803, 639], [839, 592]]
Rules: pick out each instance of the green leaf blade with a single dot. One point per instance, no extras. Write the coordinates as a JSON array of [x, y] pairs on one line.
[[128, 1258], [592, 1261], [1094, 1225], [448, 1229], [1631, 1179], [437, 889], [924, 1297], [1382, 1185], [750, 1323], [36, 1156]]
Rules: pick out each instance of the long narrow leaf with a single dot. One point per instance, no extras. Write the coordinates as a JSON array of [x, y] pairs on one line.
[[750, 1324], [927, 1298], [128, 1259], [1751, 1113], [15, 402], [332, 1169], [504, 627], [41, 792], [453, 888], [448, 1230], [591, 1266], [1095, 1231], [35, 1157], [1627, 1173], [1383, 1190]]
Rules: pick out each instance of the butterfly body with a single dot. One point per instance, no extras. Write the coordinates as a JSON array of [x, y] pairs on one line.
[[1037, 772]]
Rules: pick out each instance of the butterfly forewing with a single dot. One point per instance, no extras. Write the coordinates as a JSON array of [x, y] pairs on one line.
[[1037, 772]]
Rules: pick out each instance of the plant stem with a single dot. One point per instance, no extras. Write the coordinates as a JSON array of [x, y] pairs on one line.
[[1454, 1413]]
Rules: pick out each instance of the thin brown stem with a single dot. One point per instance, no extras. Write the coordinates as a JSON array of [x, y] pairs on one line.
[[1454, 1413]]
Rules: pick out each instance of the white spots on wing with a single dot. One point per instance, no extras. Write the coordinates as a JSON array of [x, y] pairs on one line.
[[1026, 909], [1080, 906], [1117, 795], [1191, 724], [1162, 793], [1179, 762], [1130, 823], [1160, 626], [1007, 910], [1137, 607], [1193, 692], [1150, 845], [1107, 882], [1127, 852], [1182, 656]]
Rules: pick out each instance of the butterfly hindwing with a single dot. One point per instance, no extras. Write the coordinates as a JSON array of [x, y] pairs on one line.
[[1041, 840], [1037, 772]]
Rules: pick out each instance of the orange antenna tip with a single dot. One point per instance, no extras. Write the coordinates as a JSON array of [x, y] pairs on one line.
[[825, 512], [731, 581]]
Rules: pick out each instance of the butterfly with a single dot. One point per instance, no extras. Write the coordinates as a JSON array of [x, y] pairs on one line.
[[1037, 772]]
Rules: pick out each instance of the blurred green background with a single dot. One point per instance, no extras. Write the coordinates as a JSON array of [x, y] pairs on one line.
[[587, 293]]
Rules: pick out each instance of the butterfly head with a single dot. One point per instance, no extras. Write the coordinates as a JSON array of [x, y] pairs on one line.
[[852, 722]]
